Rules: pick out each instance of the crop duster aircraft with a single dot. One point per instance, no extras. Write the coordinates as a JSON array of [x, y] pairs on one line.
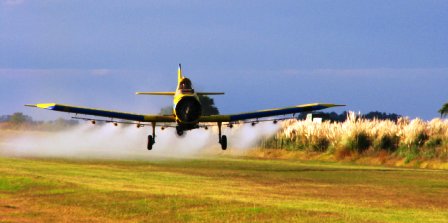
[[186, 112]]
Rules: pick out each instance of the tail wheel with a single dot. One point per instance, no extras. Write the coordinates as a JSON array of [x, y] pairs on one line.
[[223, 142], [150, 142]]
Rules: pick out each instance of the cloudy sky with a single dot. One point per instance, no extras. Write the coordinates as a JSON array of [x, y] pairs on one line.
[[390, 56]]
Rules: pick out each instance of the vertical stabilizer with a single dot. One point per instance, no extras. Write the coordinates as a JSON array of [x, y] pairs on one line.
[[179, 73]]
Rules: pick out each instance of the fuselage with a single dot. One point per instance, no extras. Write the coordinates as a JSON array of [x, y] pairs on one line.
[[186, 105]]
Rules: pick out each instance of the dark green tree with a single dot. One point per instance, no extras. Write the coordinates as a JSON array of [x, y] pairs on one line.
[[208, 107], [19, 118], [168, 110], [444, 110]]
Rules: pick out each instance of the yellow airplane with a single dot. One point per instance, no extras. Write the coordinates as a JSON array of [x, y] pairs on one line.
[[186, 112]]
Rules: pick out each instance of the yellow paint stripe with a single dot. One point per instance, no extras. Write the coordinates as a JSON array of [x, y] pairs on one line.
[[46, 106]]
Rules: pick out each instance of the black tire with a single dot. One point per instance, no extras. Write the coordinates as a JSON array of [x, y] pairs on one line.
[[150, 142], [223, 142], [179, 131]]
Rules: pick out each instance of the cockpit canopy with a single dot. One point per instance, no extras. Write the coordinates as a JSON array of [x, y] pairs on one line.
[[185, 85]]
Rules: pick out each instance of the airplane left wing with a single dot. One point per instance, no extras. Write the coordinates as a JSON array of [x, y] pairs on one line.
[[105, 113], [267, 113]]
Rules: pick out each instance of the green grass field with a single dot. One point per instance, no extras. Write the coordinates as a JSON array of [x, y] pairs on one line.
[[220, 189]]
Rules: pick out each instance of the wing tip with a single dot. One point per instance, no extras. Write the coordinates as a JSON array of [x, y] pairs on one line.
[[49, 106], [328, 105]]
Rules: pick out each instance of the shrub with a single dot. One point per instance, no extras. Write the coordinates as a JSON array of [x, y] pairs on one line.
[[421, 138], [409, 153], [429, 153], [433, 142], [406, 138], [341, 153], [360, 142], [321, 144], [409, 157], [387, 142]]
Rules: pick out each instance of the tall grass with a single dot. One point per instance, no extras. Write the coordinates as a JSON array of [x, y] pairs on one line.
[[405, 138]]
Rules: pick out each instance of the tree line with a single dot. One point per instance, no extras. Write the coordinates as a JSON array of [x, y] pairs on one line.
[[19, 120]]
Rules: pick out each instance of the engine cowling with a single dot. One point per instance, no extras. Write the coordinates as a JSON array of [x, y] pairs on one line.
[[188, 110]]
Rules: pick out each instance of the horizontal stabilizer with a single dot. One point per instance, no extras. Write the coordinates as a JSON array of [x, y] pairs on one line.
[[156, 93], [209, 93]]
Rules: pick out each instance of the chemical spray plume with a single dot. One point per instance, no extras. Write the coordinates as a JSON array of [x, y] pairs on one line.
[[86, 141]]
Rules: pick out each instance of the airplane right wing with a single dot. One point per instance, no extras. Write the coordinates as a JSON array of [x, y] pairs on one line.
[[267, 113], [209, 93], [105, 113]]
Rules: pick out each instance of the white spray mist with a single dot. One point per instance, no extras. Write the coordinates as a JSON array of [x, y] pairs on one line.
[[86, 141]]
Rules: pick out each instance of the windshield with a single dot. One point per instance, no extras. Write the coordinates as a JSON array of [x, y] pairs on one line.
[[185, 84]]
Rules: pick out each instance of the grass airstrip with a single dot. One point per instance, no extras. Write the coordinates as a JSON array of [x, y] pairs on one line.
[[217, 189]]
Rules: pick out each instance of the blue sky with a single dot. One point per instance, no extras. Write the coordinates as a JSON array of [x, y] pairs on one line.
[[390, 56]]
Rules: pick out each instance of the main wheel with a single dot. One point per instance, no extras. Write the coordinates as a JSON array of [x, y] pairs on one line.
[[179, 131], [223, 142], [150, 142]]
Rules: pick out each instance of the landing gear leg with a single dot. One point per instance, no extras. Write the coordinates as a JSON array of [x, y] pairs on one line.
[[152, 138], [222, 139]]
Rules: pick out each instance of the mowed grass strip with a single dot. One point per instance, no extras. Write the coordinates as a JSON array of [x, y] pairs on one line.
[[221, 189]]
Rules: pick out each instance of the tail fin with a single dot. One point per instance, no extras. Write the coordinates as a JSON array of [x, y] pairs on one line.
[[179, 73]]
